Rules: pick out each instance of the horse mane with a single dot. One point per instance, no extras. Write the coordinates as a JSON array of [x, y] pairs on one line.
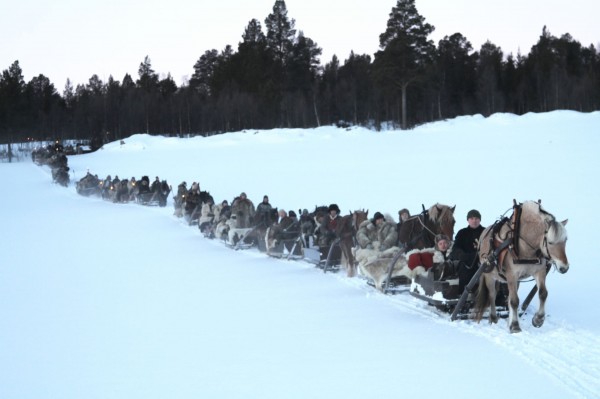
[[440, 213], [556, 231]]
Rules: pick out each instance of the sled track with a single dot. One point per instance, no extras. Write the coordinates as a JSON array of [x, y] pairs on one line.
[[538, 347]]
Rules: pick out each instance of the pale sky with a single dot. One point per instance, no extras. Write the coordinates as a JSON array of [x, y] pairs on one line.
[[78, 38]]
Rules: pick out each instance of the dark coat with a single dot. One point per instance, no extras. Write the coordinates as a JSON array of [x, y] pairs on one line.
[[465, 244], [465, 251]]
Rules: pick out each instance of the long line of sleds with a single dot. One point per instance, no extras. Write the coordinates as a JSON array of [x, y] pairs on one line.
[[445, 295]]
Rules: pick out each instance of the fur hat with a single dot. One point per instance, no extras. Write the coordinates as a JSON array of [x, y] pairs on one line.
[[378, 215], [441, 237], [474, 213], [333, 207], [292, 214], [403, 210]]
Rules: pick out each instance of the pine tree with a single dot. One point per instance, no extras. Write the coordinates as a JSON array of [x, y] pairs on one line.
[[12, 101], [489, 70], [280, 31], [204, 70], [406, 51], [454, 76]]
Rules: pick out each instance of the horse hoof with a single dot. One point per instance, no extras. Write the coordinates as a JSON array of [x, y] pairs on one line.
[[515, 329], [537, 321]]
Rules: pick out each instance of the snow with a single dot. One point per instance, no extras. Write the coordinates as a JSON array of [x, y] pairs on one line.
[[102, 300]]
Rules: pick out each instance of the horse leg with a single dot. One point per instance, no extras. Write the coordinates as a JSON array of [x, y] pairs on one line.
[[540, 315], [490, 283], [348, 258], [513, 304]]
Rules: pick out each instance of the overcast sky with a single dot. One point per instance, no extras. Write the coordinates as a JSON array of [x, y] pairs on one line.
[[76, 39]]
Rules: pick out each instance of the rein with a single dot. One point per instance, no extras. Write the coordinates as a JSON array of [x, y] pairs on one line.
[[423, 223]]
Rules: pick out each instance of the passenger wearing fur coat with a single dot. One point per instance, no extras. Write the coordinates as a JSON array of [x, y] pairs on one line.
[[376, 240], [207, 215], [244, 211], [376, 233]]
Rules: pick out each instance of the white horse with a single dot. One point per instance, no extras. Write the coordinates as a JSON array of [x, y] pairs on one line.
[[518, 248]]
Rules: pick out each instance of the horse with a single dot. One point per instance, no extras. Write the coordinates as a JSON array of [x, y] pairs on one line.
[[282, 235], [346, 230], [515, 248], [419, 231]]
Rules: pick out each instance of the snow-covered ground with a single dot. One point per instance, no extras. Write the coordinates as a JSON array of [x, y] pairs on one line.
[[102, 300]]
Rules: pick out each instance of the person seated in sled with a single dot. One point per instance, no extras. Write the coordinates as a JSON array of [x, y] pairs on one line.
[[377, 234], [122, 191], [244, 210], [192, 201], [263, 212], [144, 185], [307, 226], [376, 239], [292, 215], [465, 248], [437, 259], [155, 185], [225, 210], [207, 215], [106, 183], [403, 215], [328, 226], [133, 188]]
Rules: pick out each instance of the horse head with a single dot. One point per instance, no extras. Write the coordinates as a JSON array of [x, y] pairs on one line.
[[555, 243], [540, 231], [442, 219], [358, 217]]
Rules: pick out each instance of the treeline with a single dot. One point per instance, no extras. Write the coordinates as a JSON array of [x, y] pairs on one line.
[[275, 79]]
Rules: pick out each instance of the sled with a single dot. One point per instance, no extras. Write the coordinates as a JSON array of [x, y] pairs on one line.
[[150, 198], [445, 295], [238, 238], [328, 258], [290, 249]]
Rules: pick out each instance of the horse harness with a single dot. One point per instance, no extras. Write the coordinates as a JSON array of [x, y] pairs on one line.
[[502, 246]]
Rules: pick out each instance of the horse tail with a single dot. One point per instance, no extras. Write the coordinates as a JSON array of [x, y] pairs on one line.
[[482, 301]]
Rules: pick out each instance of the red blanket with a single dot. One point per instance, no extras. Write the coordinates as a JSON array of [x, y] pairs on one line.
[[424, 259]]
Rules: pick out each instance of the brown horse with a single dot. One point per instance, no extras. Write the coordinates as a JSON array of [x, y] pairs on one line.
[[346, 232], [517, 248], [419, 231]]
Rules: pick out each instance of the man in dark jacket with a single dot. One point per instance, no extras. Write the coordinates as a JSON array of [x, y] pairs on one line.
[[329, 225], [263, 211], [465, 248]]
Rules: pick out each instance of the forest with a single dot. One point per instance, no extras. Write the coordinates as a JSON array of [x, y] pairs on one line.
[[275, 78]]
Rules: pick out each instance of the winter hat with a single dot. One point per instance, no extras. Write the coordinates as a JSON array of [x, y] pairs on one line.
[[378, 215], [404, 210], [441, 237], [292, 214], [334, 207], [474, 213]]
